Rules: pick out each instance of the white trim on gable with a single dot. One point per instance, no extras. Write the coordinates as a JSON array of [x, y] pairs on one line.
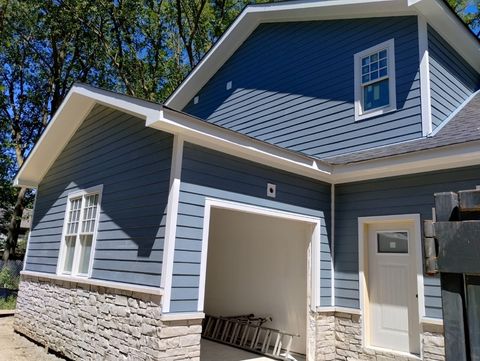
[[72, 112], [437, 14], [196, 131]]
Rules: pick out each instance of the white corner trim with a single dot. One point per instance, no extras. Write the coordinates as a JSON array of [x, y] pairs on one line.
[[332, 242], [171, 222], [425, 96], [246, 208], [360, 114], [171, 317], [363, 222], [97, 283]]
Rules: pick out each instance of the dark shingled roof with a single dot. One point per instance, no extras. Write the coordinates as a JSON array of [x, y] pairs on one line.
[[462, 128]]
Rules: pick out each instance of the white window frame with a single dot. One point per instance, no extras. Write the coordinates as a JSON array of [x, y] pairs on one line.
[[76, 258], [360, 114]]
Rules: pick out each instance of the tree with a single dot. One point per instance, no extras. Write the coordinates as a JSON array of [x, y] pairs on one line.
[[142, 48], [469, 11], [43, 52]]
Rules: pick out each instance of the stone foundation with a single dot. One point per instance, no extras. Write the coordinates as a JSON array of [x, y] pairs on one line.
[[84, 322], [339, 337]]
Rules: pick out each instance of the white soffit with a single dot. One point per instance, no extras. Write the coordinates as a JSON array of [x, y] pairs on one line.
[[435, 11]]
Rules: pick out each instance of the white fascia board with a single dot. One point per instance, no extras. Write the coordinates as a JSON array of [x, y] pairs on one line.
[[450, 27], [454, 156], [253, 15], [72, 112], [211, 136]]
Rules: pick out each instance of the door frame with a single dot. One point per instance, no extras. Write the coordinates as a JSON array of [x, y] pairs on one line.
[[363, 223], [313, 287]]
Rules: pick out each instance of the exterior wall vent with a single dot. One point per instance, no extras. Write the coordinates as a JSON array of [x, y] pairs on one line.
[[271, 190], [229, 85], [196, 99]]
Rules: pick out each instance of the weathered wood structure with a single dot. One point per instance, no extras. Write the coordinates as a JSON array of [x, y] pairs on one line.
[[457, 231]]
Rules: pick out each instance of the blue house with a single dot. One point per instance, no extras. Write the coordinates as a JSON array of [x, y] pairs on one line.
[[288, 176]]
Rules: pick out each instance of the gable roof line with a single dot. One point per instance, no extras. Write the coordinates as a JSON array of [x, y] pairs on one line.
[[449, 26], [81, 99]]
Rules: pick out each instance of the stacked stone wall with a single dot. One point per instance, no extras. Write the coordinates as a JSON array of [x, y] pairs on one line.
[[84, 322], [347, 343]]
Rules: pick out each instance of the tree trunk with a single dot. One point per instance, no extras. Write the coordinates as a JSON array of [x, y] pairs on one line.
[[14, 226]]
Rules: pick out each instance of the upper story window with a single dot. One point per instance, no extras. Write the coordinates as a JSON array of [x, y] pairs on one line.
[[79, 233], [375, 91]]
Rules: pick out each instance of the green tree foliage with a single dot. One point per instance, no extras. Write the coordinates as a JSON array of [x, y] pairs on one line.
[[142, 48], [469, 11]]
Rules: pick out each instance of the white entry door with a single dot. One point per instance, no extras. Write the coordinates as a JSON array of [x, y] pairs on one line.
[[392, 287]]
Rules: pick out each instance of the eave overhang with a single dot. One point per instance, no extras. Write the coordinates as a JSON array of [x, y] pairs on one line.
[[82, 98]]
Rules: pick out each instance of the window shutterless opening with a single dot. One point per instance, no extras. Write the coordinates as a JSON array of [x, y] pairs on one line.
[[375, 91], [79, 232]]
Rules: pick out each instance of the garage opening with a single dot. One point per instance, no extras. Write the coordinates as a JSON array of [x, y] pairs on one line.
[[257, 267]]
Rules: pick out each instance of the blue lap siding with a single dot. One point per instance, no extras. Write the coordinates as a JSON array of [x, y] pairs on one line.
[[389, 196], [452, 79], [133, 164], [293, 86], [207, 173]]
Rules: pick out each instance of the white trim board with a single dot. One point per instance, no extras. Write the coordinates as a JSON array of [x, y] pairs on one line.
[[97, 283], [171, 222], [363, 222], [240, 207], [436, 13], [425, 96]]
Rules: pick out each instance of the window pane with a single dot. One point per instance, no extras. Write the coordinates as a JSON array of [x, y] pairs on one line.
[[374, 57], [365, 79], [376, 95], [392, 242], [383, 54], [69, 252], [365, 69], [374, 66], [383, 72], [374, 75], [365, 61], [85, 251], [383, 63], [74, 215], [90, 213]]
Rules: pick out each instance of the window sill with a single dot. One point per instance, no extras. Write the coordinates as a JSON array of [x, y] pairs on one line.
[[374, 113], [98, 283]]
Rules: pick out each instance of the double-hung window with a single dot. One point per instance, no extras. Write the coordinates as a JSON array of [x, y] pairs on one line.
[[80, 227], [375, 92]]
